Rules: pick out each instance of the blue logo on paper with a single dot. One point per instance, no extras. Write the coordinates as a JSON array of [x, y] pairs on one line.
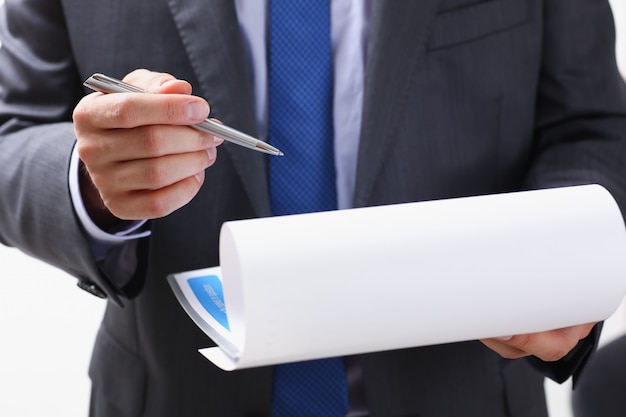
[[208, 290]]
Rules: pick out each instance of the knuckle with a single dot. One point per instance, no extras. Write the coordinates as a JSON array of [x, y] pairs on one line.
[[79, 115], [85, 151], [558, 352], [121, 111], [173, 112], [159, 79], [101, 183], [152, 140], [145, 78], [162, 202], [136, 75], [155, 175], [83, 119], [116, 203], [522, 342], [113, 206], [512, 354], [106, 188], [92, 151], [156, 206], [584, 330]]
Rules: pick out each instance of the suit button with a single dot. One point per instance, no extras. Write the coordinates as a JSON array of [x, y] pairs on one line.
[[91, 288]]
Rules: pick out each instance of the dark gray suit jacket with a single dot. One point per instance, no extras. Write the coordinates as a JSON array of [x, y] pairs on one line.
[[600, 390], [462, 97]]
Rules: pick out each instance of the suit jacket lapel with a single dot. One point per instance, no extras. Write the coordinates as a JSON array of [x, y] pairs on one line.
[[396, 27], [210, 32]]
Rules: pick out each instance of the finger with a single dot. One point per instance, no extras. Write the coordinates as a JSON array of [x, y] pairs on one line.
[[154, 204], [143, 142], [548, 346], [173, 87], [155, 173], [128, 110], [158, 82], [148, 80], [503, 349], [552, 345]]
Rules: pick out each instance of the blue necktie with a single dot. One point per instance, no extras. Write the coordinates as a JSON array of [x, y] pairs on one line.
[[300, 124]]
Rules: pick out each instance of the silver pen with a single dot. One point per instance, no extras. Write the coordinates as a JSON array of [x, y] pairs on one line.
[[105, 84]]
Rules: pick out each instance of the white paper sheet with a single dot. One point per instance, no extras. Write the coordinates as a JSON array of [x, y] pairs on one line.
[[354, 281]]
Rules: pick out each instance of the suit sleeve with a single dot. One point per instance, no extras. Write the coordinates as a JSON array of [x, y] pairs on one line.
[[39, 87], [580, 121], [580, 127]]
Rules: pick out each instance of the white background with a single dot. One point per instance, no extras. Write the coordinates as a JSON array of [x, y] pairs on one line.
[[47, 328]]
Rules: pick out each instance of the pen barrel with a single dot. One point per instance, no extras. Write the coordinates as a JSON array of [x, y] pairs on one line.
[[235, 136], [227, 133]]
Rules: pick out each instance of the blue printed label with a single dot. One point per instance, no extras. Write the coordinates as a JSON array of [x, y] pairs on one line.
[[208, 290]]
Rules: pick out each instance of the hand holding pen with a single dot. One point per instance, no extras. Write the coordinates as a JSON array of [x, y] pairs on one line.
[[106, 84], [141, 158]]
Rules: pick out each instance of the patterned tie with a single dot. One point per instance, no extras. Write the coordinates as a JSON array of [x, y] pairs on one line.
[[300, 124]]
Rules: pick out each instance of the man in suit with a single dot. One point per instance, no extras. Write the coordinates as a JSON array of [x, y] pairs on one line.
[[458, 98]]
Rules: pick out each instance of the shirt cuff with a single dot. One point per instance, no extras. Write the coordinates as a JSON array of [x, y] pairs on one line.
[[99, 237]]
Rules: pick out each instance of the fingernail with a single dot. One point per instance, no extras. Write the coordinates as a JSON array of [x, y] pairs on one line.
[[197, 111], [217, 140], [211, 152], [504, 338], [200, 176]]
